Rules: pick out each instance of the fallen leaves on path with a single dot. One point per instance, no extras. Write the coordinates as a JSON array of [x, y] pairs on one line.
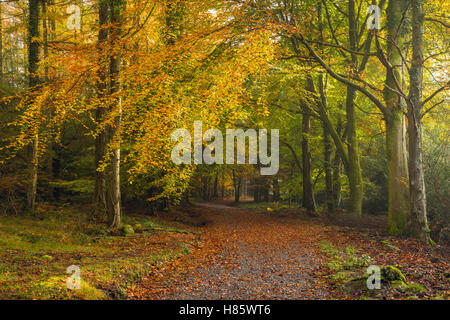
[[246, 255]]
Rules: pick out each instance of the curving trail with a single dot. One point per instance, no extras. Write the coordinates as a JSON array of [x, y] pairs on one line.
[[245, 255]]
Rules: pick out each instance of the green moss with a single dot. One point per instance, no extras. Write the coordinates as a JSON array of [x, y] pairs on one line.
[[126, 230], [56, 287], [392, 274], [36, 252]]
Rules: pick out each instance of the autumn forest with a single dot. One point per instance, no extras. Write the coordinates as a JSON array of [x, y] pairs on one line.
[[224, 149]]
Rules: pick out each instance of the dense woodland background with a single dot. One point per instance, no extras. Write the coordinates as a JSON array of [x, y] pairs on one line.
[[86, 115]]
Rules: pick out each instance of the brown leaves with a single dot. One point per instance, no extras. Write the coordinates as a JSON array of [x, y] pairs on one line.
[[254, 256], [245, 255]]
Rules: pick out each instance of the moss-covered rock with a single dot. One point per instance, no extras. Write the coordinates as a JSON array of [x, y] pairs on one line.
[[126, 230], [392, 274]]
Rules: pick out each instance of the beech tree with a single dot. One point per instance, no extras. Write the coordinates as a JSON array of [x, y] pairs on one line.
[[33, 82]]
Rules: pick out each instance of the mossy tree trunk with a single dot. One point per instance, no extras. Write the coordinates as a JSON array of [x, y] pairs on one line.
[[308, 192], [418, 223], [397, 168], [327, 144], [354, 166]]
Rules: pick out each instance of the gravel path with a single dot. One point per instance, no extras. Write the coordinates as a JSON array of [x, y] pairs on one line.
[[252, 256]]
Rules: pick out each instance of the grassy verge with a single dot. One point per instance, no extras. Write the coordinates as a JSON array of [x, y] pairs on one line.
[[35, 252]]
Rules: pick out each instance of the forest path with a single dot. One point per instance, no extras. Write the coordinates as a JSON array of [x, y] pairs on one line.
[[244, 255]]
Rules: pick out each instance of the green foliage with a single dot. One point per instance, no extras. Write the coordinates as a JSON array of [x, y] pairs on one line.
[[85, 186], [348, 260]]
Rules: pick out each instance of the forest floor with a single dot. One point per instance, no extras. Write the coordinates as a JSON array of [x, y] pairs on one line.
[[285, 254], [36, 250], [210, 251]]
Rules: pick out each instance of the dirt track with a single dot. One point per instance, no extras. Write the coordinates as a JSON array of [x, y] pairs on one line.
[[247, 255]]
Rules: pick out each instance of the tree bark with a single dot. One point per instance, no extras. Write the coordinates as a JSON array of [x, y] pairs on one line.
[[308, 193], [328, 170], [354, 166], [418, 223], [337, 164], [1, 45], [116, 9], [100, 209], [46, 35], [216, 184], [354, 172], [33, 82], [337, 167], [237, 179], [223, 183], [395, 122], [276, 189], [327, 151]]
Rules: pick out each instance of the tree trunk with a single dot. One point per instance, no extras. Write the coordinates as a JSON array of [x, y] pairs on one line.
[[45, 36], [326, 151], [205, 188], [216, 184], [276, 189], [308, 193], [395, 122], [337, 164], [237, 186], [418, 223], [337, 167], [49, 156], [223, 183], [32, 186], [100, 209], [1, 44], [33, 81], [116, 9], [397, 174], [328, 170], [326, 136], [354, 172], [354, 167]]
